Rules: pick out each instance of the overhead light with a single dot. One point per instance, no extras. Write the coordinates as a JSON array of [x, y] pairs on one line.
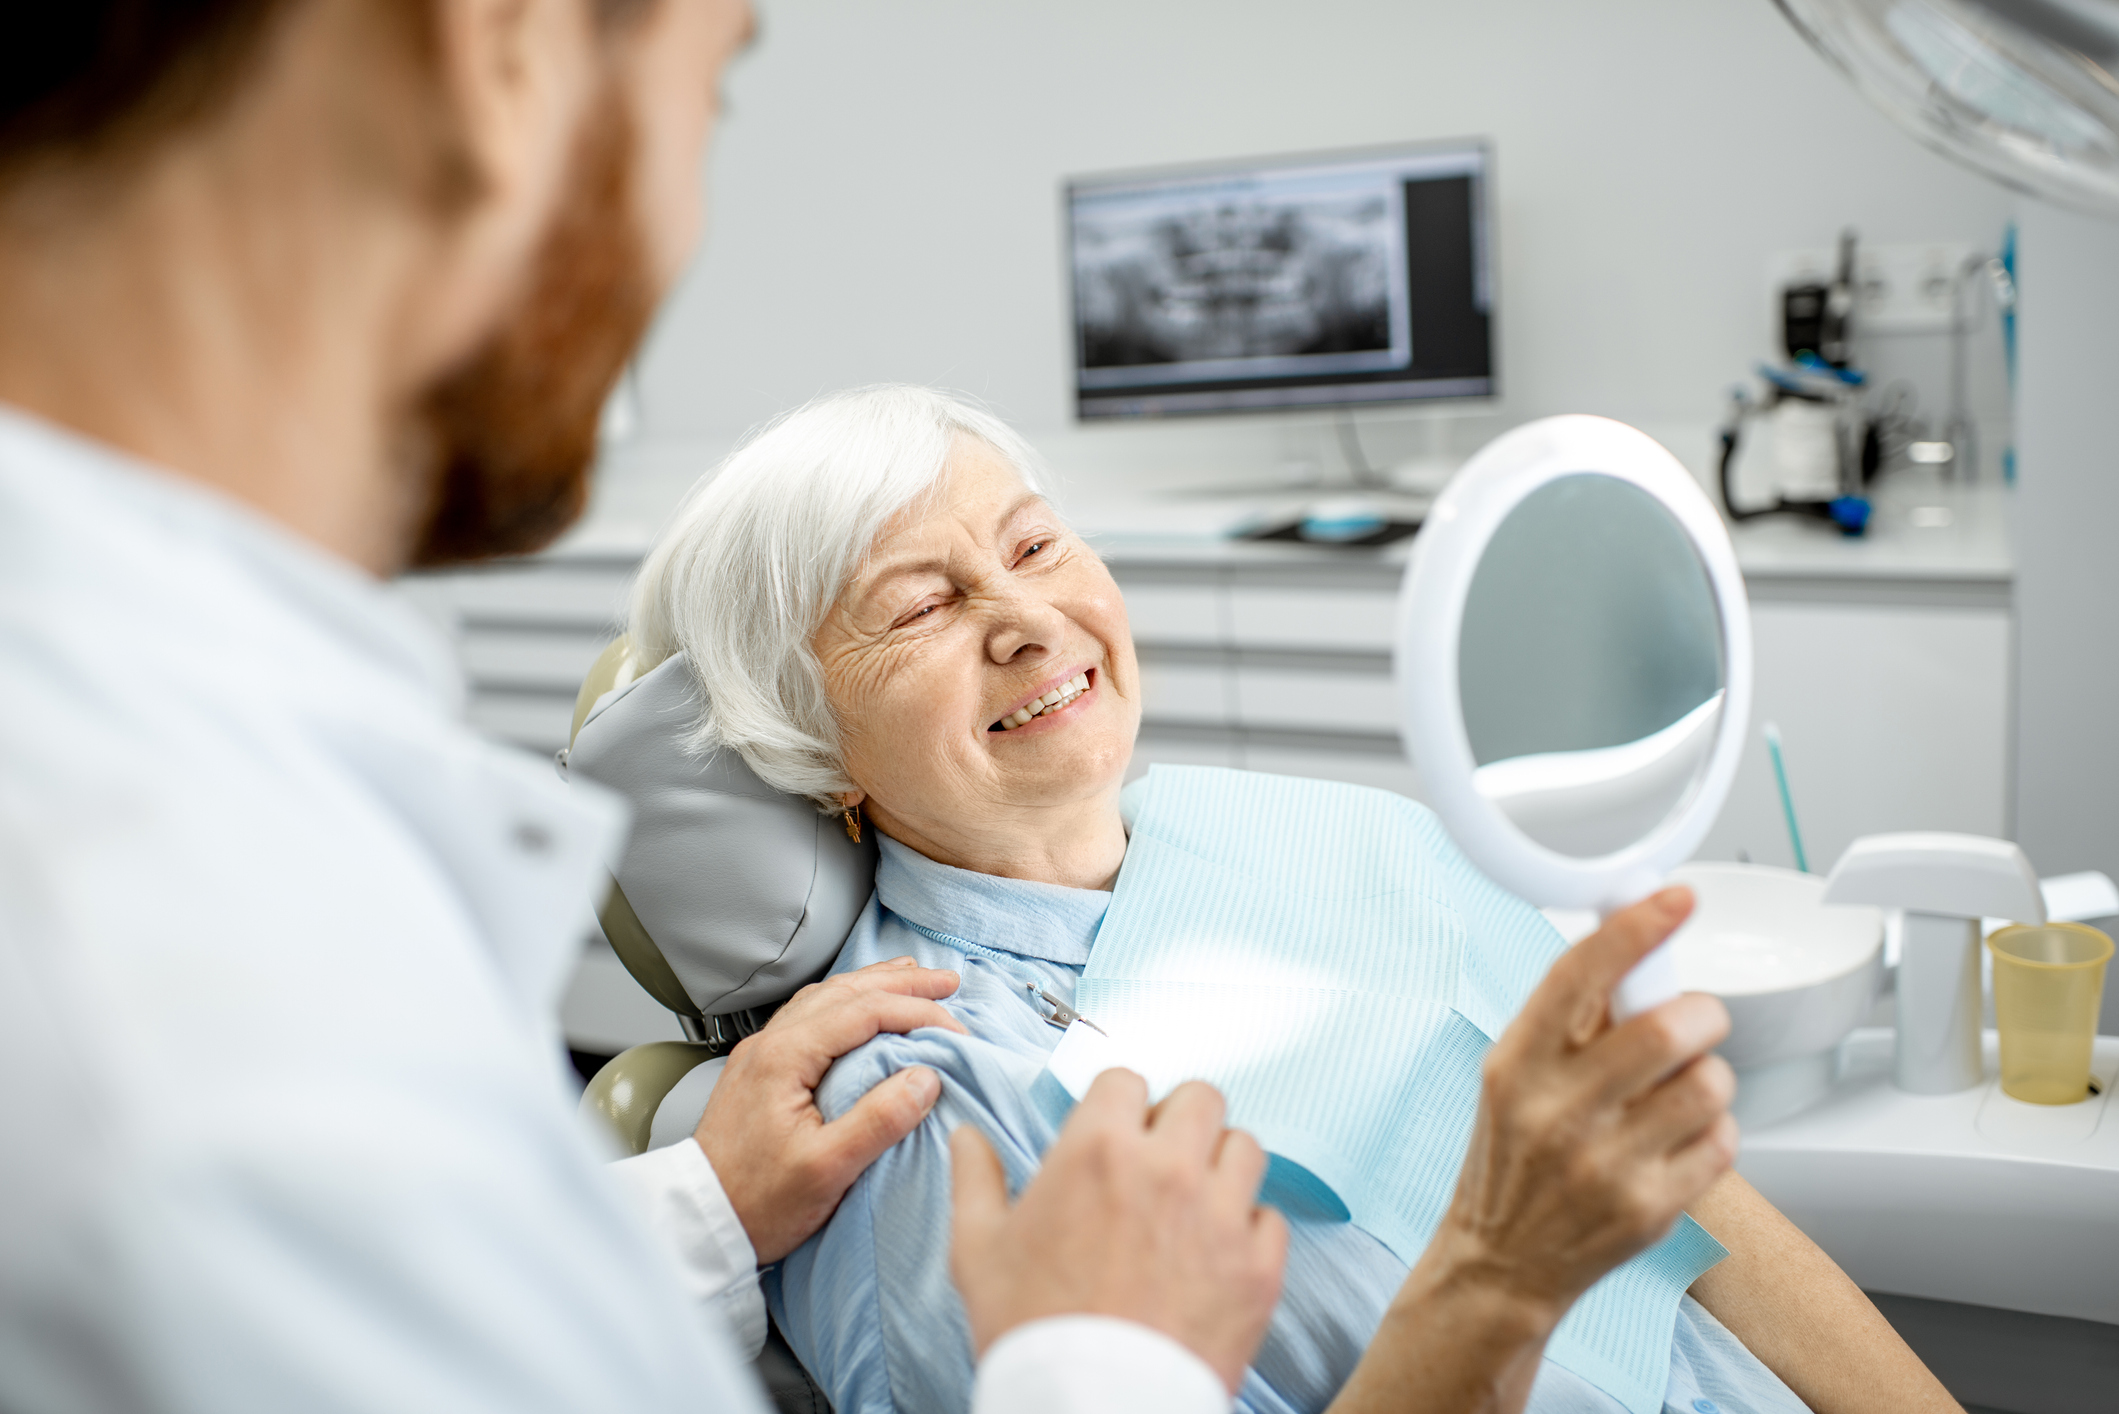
[[2023, 90]]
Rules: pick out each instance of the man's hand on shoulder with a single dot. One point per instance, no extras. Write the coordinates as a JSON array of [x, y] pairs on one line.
[[782, 1166]]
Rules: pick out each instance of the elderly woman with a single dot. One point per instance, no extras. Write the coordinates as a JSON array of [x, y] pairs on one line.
[[887, 615]]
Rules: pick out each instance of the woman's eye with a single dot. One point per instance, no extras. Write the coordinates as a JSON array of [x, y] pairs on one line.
[[1033, 547]]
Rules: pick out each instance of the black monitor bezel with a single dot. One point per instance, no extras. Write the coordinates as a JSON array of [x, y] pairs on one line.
[[1267, 397]]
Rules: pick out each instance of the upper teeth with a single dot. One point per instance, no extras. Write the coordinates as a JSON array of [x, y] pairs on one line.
[[1052, 701]]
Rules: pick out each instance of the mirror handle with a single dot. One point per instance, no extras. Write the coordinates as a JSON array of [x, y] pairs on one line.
[[1652, 982], [1654, 979]]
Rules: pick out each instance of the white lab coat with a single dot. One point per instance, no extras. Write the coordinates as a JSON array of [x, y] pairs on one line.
[[282, 1110]]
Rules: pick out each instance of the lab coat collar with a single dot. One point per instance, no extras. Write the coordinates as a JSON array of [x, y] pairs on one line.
[[296, 638], [216, 534], [1029, 919]]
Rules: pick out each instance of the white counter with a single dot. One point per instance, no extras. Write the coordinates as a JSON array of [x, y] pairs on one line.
[[1973, 1197]]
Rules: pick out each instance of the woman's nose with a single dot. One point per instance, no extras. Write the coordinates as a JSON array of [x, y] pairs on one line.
[[1024, 629]]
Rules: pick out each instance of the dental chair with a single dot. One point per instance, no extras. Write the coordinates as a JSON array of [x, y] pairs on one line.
[[730, 897]]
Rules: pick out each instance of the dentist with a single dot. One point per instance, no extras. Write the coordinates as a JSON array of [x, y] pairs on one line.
[[297, 294]]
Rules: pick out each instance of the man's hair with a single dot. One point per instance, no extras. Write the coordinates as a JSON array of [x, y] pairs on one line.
[[84, 80], [90, 78]]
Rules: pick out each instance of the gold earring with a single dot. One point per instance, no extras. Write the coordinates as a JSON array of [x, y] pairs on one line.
[[852, 816]]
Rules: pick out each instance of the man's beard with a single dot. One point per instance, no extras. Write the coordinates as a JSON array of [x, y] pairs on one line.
[[503, 446]]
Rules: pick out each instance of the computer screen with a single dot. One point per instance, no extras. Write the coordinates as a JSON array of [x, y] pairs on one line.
[[1285, 282]]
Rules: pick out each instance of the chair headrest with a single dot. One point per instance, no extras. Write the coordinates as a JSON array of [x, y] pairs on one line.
[[748, 893]]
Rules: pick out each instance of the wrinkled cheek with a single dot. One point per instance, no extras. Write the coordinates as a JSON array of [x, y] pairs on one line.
[[887, 726]]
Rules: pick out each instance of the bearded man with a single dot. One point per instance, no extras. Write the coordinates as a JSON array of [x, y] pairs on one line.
[[294, 295]]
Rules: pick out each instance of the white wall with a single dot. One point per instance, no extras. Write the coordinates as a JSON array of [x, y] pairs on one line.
[[2067, 522], [885, 196]]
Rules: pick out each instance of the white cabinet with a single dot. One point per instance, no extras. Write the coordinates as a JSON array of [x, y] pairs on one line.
[[1892, 717], [1306, 617], [1332, 695], [1189, 692], [1178, 614], [526, 633], [1274, 665]]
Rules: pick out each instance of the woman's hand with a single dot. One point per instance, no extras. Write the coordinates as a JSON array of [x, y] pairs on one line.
[[1149, 1215], [783, 1168], [1589, 1142], [1591, 1138]]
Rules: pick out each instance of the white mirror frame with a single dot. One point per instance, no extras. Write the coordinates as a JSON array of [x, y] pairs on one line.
[[1431, 602]]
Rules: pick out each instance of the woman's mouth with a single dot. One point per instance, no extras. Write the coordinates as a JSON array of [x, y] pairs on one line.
[[1054, 700]]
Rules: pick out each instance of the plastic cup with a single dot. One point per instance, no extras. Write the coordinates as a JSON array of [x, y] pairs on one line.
[[2048, 982]]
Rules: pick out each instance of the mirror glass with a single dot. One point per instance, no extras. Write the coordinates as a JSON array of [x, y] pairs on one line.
[[1590, 665]]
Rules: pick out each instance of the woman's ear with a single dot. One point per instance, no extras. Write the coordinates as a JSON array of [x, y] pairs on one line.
[[851, 799]]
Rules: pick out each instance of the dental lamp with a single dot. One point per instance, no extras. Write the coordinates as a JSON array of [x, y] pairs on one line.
[[2026, 91]]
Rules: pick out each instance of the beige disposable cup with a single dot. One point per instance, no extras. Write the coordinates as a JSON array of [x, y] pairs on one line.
[[2048, 982]]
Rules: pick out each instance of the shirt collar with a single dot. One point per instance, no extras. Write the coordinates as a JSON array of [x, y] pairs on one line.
[[1045, 921]]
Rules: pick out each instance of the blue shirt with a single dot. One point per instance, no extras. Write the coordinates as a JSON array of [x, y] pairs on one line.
[[1007, 939]]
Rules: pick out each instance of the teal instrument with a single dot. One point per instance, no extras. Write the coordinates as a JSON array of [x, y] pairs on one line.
[[1780, 778]]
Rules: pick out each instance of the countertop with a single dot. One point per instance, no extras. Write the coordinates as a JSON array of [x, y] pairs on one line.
[[1924, 532]]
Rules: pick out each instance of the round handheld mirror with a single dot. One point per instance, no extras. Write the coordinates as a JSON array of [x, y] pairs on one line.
[[1574, 668]]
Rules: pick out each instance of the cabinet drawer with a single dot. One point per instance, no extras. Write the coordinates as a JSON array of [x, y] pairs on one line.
[[1184, 692], [535, 722], [1316, 700], [547, 661], [1294, 617], [588, 599], [1185, 614]]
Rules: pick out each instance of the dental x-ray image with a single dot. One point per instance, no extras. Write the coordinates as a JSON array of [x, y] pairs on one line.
[[1257, 275]]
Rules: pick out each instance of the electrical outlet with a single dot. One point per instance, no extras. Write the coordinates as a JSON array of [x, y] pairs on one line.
[[1899, 289]]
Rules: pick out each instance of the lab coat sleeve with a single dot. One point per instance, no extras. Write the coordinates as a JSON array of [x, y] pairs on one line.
[[676, 1189], [1080, 1364]]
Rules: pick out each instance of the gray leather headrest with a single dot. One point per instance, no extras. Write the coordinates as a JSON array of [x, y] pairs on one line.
[[747, 892]]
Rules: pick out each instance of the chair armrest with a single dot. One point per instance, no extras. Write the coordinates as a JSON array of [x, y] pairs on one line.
[[633, 1084]]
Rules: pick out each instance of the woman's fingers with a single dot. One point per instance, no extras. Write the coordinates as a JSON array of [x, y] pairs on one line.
[[1592, 1137], [1571, 1005], [1634, 1057], [1693, 1169], [1675, 1113]]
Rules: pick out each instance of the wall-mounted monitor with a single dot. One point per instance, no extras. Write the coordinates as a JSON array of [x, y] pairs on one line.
[[1284, 283]]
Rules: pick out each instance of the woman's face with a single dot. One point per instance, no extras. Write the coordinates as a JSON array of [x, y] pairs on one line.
[[965, 618]]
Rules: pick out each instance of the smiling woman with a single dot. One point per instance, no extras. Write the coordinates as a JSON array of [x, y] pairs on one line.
[[885, 612]]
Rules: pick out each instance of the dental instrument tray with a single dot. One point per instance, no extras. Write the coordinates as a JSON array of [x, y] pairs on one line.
[[1352, 522]]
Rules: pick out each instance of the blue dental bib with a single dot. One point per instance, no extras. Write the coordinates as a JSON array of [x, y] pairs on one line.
[[1324, 955]]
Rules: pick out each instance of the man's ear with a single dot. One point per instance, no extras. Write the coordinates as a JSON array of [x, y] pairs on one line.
[[516, 76]]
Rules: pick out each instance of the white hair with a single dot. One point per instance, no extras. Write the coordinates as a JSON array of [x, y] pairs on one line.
[[761, 550]]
